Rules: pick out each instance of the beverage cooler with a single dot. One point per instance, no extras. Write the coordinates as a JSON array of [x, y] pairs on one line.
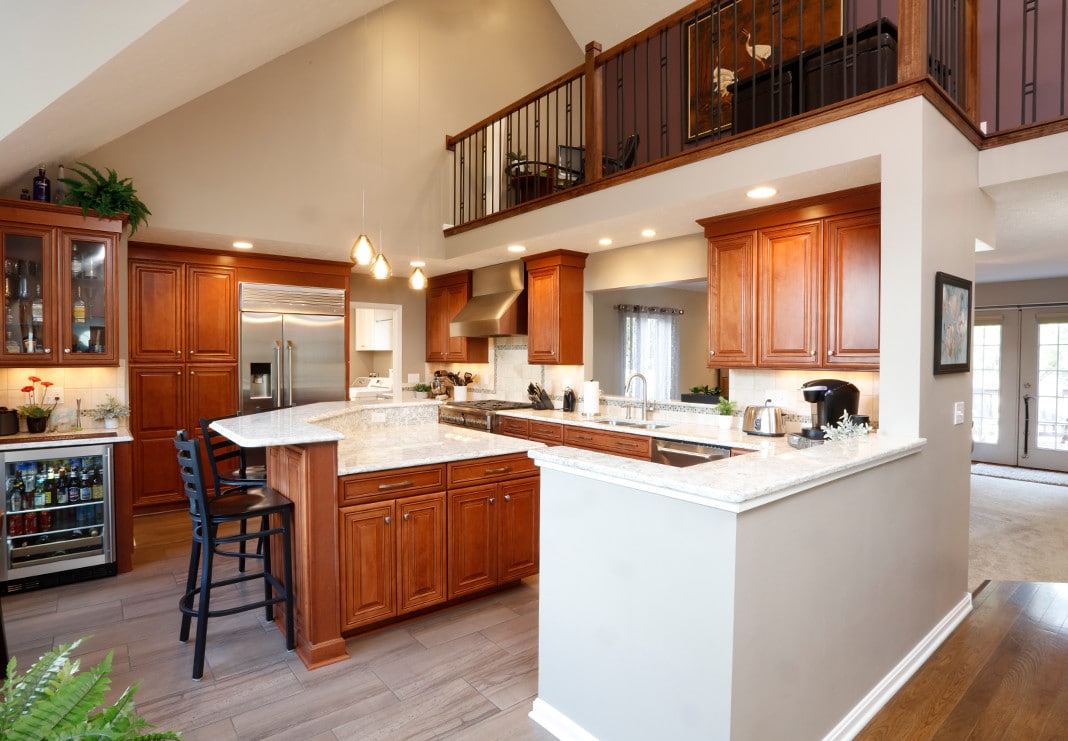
[[57, 516]]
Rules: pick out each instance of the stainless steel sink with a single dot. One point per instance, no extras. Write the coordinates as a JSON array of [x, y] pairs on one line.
[[630, 423]]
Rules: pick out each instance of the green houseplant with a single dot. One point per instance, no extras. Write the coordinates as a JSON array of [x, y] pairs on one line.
[[110, 411], [725, 412], [421, 390], [108, 196], [702, 394], [53, 700]]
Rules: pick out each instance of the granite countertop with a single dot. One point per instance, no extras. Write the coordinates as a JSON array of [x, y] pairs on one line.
[[63, 438], [685, 431], [741, 482]]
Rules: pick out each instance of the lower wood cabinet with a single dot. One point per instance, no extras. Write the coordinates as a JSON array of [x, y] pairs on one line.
[[392, 558], [618, 443], [493, 535]]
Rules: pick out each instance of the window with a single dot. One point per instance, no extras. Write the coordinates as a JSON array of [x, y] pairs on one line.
[[649, 337]]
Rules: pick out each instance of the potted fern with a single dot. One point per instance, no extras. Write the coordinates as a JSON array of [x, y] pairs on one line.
[[110, 412], [53, 700], [108, 196]]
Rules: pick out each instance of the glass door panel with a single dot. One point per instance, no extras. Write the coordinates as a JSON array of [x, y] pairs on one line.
[[28, 303], [1045, 389], [995, 380], [85, 270]]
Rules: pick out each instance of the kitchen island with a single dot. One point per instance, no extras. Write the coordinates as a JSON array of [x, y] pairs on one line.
[[334, 460]]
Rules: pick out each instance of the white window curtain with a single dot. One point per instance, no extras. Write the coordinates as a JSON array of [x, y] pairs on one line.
[[649, 336]]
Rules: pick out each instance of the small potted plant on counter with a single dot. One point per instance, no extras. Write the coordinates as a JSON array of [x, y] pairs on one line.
[[702, 395], [35, 412], [421, 390], [110, 411], [725, 412]]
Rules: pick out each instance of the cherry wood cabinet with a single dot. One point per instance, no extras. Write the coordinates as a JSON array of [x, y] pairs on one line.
[[554, 307], [618, 443], [514, 427], [445, 296], [797, 285], [546, 432], [60, 298], [392, 558]]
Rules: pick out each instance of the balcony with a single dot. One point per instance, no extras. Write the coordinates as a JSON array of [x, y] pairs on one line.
[[715, 77]]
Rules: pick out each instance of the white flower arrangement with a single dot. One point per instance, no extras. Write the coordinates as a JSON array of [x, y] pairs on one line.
[[845, 429]]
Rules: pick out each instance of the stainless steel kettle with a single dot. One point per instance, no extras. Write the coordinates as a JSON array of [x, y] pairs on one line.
[[766, 420]]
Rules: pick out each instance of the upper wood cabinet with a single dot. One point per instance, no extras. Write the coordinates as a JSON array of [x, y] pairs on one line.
[[554, 307], [445, 296], [182, 313], [60, 286], [796, 286]]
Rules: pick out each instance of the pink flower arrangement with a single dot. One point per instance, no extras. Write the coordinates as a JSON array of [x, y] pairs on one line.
[[33, 408]]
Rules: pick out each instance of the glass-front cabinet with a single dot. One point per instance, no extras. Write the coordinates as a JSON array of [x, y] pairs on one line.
[[60, 286]]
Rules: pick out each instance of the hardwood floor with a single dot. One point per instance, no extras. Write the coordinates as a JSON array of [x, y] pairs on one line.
[[1002, 674], [467, 673], [471, 672]]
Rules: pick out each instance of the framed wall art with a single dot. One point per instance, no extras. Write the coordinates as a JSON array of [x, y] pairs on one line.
[[953, 324]]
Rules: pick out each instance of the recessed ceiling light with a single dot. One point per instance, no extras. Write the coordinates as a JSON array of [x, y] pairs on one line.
[[417, 264], [516, 248], [604, 241], [243, 245], [648, 232], [764, 191]]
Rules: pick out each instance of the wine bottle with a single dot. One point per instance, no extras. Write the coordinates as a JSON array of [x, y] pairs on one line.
[[60, 191], [42, 187], [79, 307], [75, 262], [37, 308]]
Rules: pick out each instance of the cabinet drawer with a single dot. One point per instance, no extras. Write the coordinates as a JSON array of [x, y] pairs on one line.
[[547, 432], [396, 482], [488, 470], [632, 446], [514, 427]]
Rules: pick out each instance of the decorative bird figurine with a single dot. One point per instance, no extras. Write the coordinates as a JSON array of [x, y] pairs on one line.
[[760, 53]]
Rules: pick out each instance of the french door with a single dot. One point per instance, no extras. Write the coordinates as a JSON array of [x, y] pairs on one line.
[[1020, 387]]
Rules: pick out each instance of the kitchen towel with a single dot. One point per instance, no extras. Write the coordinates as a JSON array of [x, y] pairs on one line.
[[591, 397]]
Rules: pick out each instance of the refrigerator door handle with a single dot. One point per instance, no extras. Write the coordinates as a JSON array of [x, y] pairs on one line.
[[289, 373], [279, 372]]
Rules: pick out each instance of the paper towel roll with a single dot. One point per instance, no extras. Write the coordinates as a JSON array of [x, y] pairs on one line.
[[591, 397]]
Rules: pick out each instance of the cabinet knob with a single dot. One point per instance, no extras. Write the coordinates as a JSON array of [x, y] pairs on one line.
[[406, 515], [48, 349], [830, 353], [190, 352], [507, 497], [387, 519], [192, 373], [812, 352], [492, 500], [179, 373], [178, 352], [66, 349], [711, 352]]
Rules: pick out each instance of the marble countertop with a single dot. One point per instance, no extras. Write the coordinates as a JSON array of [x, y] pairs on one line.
[[686, 431], [63, 438], [741, 482]]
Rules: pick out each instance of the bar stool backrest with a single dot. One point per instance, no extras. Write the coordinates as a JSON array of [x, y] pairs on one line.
[[226, 460], [192, 473]]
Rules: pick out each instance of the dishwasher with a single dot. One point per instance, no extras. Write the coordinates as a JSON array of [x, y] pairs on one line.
[[680, 454]]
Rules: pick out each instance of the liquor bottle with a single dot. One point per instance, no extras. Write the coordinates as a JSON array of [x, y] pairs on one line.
[[37, 308], [42, 187], [61, 486], [60, 191], [98, 486], [9, 277], [79, 307], [86, 493], [76, 262], [22, 285]]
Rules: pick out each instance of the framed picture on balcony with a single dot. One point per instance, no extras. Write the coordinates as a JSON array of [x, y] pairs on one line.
[[953, 324], [728, 47]]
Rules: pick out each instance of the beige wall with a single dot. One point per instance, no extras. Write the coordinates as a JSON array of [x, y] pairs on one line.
[[1022, 292], [286, 153], [363, 288]]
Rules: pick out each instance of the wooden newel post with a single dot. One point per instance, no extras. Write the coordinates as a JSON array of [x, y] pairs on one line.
[[594, 112], [912, 51]]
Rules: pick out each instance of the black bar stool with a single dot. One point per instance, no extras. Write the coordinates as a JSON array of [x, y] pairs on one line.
[[207, 514], [230, 472]]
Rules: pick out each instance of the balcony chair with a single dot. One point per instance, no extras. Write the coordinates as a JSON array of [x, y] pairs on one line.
[[207, 515], [571, 167], [229, 471]]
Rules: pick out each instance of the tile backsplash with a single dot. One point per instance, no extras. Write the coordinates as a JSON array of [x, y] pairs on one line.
[[91, 385]]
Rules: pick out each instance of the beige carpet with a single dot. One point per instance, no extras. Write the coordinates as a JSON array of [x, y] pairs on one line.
[[1018, 531]]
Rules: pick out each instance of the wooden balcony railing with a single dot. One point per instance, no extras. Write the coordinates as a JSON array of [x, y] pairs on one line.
[[718, 70]]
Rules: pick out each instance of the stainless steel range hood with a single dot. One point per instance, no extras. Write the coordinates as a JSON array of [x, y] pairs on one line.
[[498, 305]]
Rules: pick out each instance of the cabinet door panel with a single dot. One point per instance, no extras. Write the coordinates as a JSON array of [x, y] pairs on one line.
[[159, 394], [88, 319], [367, 566], [791, 264], [472, 540], [518, 535], [212, 314], [732, 301], [212, 392], [155, 312], [543, 317], [437, 325], [155, 467], [421, 555], [28, 340], [852, 320]]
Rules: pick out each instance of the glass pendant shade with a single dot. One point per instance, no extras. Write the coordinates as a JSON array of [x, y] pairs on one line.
[[418, 279], [381, 268], [363, 252]]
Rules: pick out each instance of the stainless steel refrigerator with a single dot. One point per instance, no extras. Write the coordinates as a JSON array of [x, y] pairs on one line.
[[292, 346]]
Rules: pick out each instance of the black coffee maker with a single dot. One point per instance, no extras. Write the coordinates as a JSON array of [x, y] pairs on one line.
[[830, 398]]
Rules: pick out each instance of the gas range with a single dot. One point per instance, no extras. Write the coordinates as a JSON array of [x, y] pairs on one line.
[[478, 415]]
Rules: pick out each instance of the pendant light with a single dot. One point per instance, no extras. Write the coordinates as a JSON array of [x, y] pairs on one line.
[[362, 252], [418, 280], [380, 268]]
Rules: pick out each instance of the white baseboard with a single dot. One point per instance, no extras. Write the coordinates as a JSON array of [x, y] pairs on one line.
[[854, 722], [558, 724]]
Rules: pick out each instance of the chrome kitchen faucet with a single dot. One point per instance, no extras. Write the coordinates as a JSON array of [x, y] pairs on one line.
[[645, 395]]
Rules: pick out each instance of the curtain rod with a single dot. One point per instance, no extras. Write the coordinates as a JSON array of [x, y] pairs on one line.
[[648, 309]]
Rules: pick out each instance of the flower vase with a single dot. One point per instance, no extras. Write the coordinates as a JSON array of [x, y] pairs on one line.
[[37, 424], [110, 423]]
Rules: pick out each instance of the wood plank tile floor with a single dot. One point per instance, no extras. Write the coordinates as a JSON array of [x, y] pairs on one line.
[[469, 672]]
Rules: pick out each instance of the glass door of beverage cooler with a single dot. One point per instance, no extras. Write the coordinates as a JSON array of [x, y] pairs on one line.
[[57, 510]]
